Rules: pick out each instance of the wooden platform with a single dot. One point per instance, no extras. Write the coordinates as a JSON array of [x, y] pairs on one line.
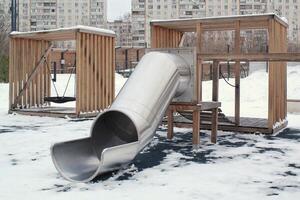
[[247, 125], [60, 112]]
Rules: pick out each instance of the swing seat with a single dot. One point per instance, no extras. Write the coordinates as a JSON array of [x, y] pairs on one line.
[[59, 99]]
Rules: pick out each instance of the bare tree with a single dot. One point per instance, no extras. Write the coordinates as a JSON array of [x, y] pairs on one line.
[[4, 31], [4, 49]]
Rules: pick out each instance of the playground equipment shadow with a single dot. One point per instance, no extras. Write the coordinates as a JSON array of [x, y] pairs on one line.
[[157, 151]]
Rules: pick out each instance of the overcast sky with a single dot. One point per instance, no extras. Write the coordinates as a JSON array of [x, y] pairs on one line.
[[117, 8]]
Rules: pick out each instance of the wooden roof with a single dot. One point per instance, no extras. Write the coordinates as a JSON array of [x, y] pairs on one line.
[[258, 21], [61, 33]]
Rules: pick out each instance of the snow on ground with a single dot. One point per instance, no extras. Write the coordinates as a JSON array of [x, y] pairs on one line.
[[238, 167], [254, 91]]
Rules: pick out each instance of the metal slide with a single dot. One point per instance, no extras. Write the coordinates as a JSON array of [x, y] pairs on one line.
[[121, 132]]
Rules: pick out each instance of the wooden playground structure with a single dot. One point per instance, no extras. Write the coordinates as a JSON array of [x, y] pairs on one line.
[[95, 66], [168, 34], [30, 78]]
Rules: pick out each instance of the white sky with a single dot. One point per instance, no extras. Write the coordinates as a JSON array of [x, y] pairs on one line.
[[117, 8]]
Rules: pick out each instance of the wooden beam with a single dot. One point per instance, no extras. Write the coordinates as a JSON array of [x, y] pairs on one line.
[[60, 34], [272, 57], [32, 75], [189, 106], [247, 22]]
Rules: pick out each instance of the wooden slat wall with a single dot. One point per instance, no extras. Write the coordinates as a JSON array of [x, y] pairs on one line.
[[95, 72], [277, 74], [164, 37], [24, 56]]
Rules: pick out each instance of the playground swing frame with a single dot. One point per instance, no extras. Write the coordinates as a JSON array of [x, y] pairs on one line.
[[30, 81]]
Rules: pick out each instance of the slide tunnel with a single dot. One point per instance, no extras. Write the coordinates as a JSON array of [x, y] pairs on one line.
[[120, 133]]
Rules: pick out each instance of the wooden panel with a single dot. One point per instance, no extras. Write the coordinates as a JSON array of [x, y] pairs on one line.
[[165, 38], [95, 72], [27, 70]]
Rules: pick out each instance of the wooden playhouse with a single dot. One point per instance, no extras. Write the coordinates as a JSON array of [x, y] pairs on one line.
[[168, 34], [29, 74]]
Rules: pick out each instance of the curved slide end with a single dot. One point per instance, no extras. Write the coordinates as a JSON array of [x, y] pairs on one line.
[[113, 143], [75, 160]]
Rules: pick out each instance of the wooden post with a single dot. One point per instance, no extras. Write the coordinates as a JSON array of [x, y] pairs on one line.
[[196, 128], [215, 97], [198, 89], [215, 86], [214, 125], [237, 74], [271, 76], [11, 58], [198, 79], [78, 71], [170, 124]]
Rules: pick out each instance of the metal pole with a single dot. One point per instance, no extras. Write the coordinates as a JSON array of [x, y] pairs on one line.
[[13, 10]]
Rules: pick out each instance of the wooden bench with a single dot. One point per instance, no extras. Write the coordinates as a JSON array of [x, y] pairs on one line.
[[195, 109]]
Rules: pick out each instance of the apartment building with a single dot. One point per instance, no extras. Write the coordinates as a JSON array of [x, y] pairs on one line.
[[139, 18], [5, 13], [290, 9], [48, 14], [4, 7], [123, 30], [143, 11]]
